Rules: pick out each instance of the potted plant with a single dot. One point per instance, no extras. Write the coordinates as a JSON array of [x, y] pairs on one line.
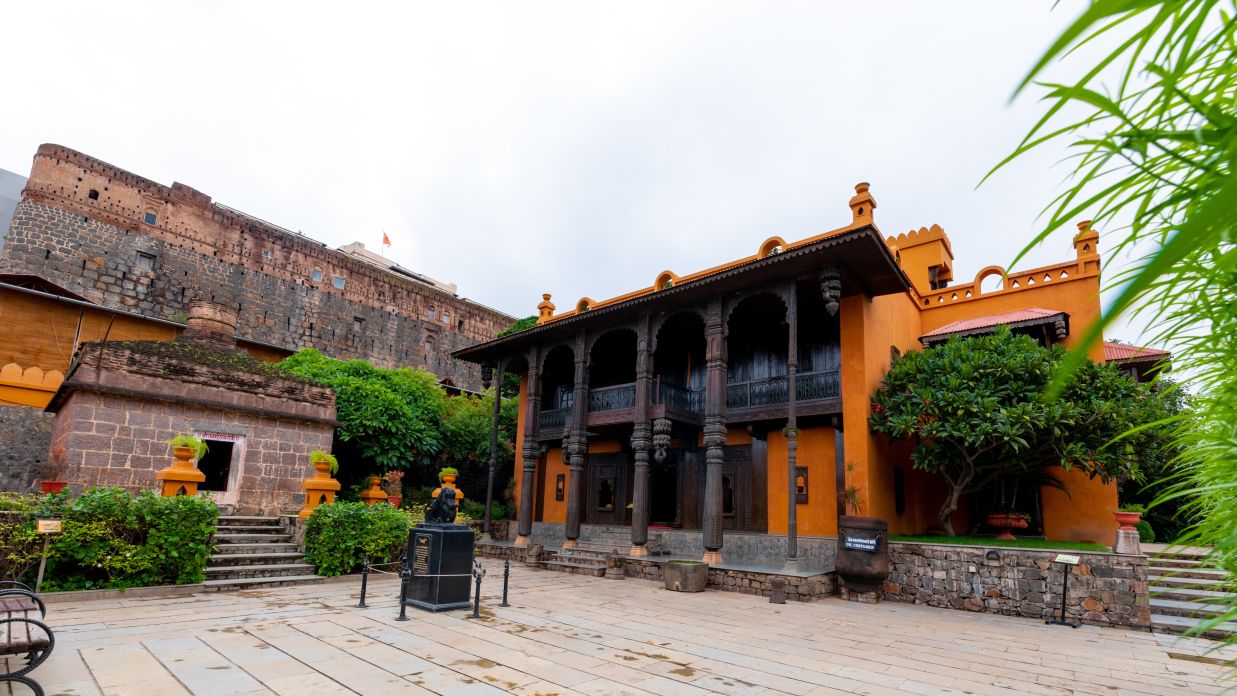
[[685, 576], [324, 462], [1129, 515], [187, 447], [53, 472], [394, 485], [447, 475], [1009, 520]]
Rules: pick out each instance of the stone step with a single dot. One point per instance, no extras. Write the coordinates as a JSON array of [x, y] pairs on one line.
[[258, 583], [251, 529], [247, 519], [259, 571], [584, 555], [1190, 594], [258, 547], [599, 549], [252, 538], [1162, 562], [1208, 574], [1176, 607], [233, 559], [1181, 555], [1162, 623], [1195, 579]]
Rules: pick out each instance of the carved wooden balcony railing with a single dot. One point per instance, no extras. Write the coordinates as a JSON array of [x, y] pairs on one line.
[[617, 398], [680, 399], [810, 386], [825, 384], [554, 419]]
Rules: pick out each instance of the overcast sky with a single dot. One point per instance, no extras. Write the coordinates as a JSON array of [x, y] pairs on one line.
[[576, 148]]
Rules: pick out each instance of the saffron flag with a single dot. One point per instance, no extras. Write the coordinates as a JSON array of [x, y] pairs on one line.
[[386, 241]]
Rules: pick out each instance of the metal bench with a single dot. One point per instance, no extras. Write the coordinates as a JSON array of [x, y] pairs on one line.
[[23, 636]]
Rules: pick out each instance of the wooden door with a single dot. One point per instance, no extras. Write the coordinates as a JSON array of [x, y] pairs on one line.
[[605, 489]]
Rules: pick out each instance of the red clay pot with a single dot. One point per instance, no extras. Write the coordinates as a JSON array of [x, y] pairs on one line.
[[1127, 520], [1007, 521], [395, 500], [53, 486]]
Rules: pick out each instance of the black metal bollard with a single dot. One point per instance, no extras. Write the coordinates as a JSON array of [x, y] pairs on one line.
[[364, 582], [506, 577], [405, 576], [476, 600]]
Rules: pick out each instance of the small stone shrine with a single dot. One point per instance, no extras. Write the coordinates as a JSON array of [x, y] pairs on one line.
[[121, 402], [440, 553]]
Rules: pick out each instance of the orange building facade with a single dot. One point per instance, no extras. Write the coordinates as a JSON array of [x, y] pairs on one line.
[[687, 404]]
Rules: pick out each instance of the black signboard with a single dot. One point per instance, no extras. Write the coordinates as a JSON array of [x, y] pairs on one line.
[[857, 543]]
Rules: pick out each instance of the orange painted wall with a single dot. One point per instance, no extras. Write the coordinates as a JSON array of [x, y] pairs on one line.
[[818, 517], [1085, 514], [554, 510], [869, 328]]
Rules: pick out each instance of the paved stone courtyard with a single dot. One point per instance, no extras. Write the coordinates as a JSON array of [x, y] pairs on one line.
[[568, 634]]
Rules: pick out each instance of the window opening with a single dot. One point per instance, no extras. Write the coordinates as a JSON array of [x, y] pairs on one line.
[[338, 282], [145, 262], [93, 195], [151, 218], [317, 275]]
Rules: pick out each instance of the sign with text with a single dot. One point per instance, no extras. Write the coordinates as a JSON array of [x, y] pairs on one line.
[[220, 437], [856, 543], [1066, 558], [49, 526]]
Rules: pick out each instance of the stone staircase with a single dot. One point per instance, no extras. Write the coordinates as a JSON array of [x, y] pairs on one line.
[[589, 556], [255, 552], [1186, 591]]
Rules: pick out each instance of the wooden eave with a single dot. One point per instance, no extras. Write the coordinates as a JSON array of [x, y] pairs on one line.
[[866, 264]]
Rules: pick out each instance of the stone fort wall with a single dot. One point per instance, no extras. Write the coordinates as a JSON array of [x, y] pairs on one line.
[[130, 243]]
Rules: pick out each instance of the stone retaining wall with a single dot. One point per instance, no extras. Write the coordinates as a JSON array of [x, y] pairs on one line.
[[1105, 588]]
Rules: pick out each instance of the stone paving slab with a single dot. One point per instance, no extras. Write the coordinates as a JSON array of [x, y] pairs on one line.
[[570, 634]]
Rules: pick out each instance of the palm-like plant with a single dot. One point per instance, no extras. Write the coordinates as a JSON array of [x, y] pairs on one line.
[[1154, 156]]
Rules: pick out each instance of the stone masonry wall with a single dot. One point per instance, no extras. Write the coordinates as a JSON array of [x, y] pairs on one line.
[[798, 588], [102, 248], [111, 440], [1105, 589], [25, 439]]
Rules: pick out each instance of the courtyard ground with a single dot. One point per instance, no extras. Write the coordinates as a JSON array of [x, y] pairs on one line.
[[567, 634]]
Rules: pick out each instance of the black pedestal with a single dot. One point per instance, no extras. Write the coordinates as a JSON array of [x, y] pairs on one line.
[[437, 549]]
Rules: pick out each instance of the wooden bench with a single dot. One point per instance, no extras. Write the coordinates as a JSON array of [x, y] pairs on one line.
[[23, 635]]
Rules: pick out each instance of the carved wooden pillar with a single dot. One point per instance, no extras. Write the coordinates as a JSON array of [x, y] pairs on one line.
[[531, 450], [486, 374], [792, 434], [641, 439], [577, 443], [831, 290], [714, 429]]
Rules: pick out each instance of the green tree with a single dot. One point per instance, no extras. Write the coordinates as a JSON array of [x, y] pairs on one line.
[[392, 417], [1152, 123], [976, 410]]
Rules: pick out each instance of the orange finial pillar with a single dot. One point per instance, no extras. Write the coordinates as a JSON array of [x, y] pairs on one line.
[[375, 494], [861, 205], [320, 488], [545, 310], [182, 476], [1087, 246]]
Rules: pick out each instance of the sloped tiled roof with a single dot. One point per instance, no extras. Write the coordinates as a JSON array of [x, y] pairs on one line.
[[1021, 316], [1122, 352]]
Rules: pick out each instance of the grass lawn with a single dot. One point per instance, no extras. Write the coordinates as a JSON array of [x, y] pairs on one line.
[[989, 541]]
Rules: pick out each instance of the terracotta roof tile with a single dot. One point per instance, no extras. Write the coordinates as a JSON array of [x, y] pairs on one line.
[[1122, 352], [983, 322]]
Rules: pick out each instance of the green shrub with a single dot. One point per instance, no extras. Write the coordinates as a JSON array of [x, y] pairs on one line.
[[475, 510], [1146, 534], [339, 536], [113, 539]]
